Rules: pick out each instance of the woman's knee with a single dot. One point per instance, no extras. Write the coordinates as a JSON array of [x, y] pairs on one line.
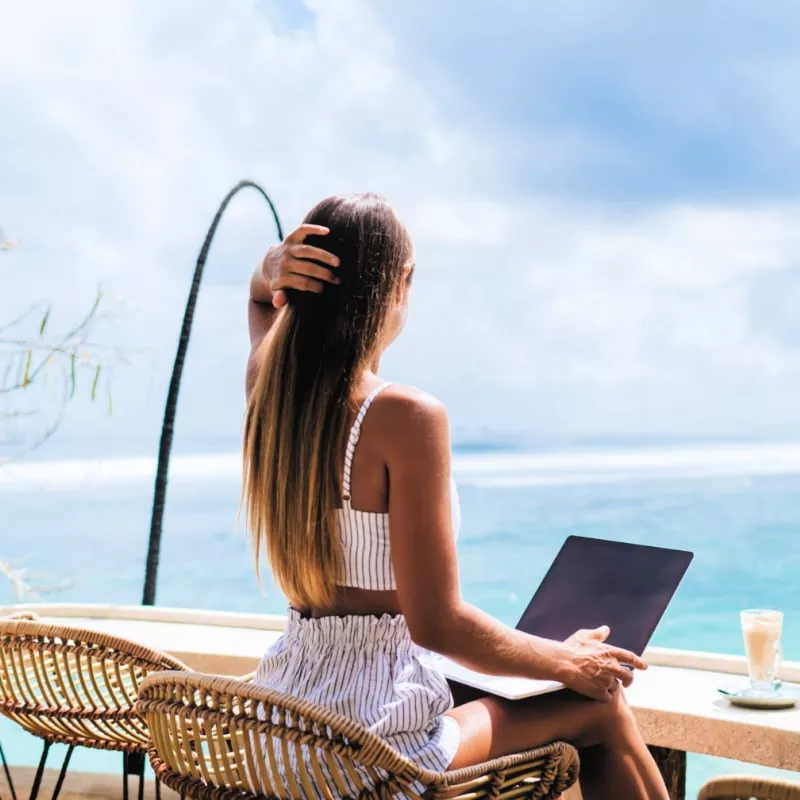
[[614, 716]]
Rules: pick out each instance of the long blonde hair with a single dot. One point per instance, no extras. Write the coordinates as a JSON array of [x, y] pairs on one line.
[[297, 416]]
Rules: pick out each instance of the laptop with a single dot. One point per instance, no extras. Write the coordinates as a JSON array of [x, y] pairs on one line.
[[592, 582]]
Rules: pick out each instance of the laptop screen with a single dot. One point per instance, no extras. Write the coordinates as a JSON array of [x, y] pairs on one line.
[[595, 582]]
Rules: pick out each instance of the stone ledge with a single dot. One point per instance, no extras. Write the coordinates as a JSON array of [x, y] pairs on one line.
[[675, 700]]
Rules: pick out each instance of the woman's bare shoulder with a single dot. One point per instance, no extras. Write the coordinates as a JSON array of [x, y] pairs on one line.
[[407, 417]]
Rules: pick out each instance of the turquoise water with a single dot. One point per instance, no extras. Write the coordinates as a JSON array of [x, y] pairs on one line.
[[92, 537]]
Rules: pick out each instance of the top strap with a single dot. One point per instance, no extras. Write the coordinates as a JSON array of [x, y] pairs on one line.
[[355, 432]]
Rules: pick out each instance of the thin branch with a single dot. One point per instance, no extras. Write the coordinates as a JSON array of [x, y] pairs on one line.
[[34, 344], [20, 319], [16, 413], [81, 326], [52, 427], [72, 345], [17, 579], [37, 360]]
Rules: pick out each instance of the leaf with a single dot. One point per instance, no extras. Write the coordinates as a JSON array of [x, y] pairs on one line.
[[72, 376], [110, 402], [45, 318], [97, 371], [26, 375]]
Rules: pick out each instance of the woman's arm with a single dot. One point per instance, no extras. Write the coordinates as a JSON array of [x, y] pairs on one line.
[[426, 572], [288, 265]]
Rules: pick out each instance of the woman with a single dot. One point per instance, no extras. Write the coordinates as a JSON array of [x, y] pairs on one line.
[[347, 488]]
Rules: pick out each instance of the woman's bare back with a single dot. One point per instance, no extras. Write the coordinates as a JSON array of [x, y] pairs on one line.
[[369, 492]]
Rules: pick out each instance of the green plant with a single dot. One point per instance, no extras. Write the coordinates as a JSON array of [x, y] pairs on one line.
[[41, 369]]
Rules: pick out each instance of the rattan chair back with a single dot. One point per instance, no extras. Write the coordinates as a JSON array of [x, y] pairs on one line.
[[219, 738], [739, 787], [76, 687]]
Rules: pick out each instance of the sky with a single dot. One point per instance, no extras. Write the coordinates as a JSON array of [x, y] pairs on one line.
[[603, 196]]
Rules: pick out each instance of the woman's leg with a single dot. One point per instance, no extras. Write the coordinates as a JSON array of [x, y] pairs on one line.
[[615, 761]]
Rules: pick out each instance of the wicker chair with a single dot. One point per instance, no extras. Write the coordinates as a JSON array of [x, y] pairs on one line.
[[218, 738], [76, 687], [27, 615], [736, 787]]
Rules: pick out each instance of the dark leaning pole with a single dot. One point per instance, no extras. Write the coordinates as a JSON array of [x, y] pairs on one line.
[[167, 427]]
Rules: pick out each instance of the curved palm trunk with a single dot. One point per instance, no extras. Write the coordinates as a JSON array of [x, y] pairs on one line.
[[167, 428]]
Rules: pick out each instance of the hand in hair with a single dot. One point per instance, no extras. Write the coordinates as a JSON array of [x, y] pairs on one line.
[[292, 264]]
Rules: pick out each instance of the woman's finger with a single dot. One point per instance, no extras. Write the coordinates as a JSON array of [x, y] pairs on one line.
[[300, 282], [298, 266], [279, 299], [306, 229], [599, 634], [626, 657], [620, 674], [308, 251]]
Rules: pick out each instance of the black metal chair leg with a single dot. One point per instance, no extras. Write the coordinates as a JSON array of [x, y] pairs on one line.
[[63, 773], [37, 781], [158, 786], [133, 764], [8, 773]]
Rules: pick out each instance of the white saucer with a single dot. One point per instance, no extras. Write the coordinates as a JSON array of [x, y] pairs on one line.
[[782, 697]]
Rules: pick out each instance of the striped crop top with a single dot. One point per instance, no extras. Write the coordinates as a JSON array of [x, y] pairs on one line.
[[367, 557]]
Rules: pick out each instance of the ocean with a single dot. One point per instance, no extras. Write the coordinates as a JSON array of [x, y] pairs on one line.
[[79, 530]]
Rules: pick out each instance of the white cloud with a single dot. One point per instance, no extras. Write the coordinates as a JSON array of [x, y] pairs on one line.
[[625, 324], [128, 121]]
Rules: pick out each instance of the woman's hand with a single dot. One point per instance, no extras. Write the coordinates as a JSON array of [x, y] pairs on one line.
[[596, 669], [293, 265]]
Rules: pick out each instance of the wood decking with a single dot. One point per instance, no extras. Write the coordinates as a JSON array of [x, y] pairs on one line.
[[81, 785]]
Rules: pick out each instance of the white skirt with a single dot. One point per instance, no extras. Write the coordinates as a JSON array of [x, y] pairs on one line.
[[368, 669]]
